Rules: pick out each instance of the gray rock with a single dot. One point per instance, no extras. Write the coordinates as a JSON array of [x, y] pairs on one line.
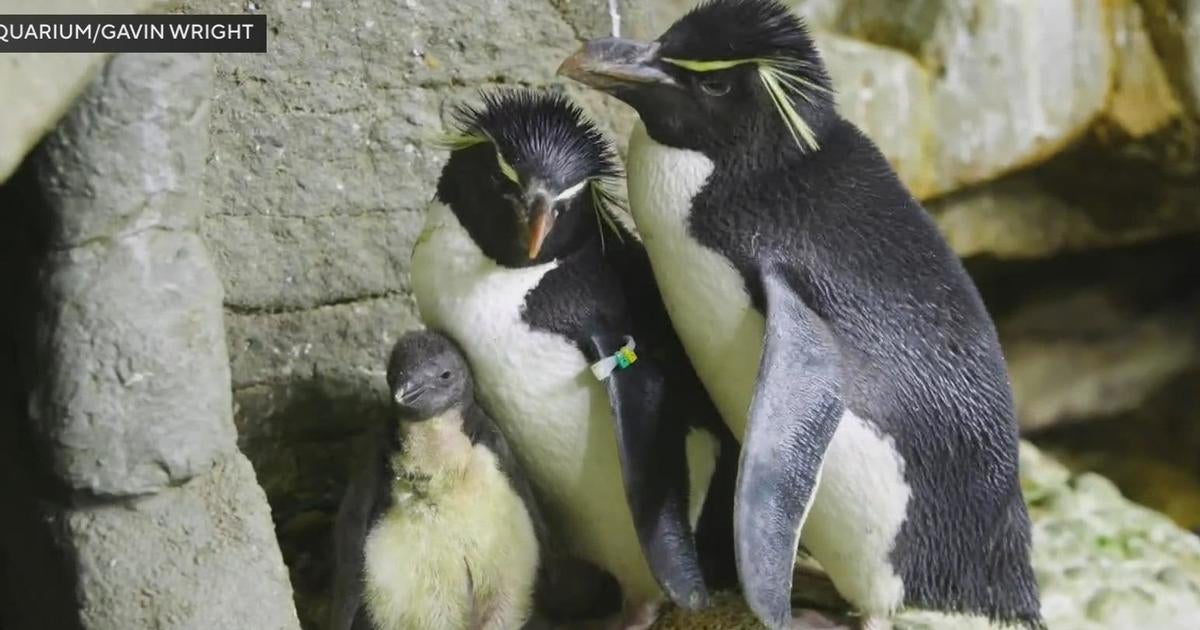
[[1143, 100], [1191, 21], [443, 43], [132, 324], [47, 83], [820, 15], [272, 263], [156, 519], [352, 338], [887, 94], [1103, 562], [908, 27], [131, 294], [1034, 215], [188, 558], [305, 383], [650, 18], [1083, 354], [999, 105]]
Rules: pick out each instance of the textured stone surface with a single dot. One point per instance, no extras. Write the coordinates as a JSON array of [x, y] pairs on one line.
[[141, 501], [1034, 215], [998, 105], [1190, 19], [1175, 27], [1143, 100], [47, 83], [128, 316], [1099, 334], [887, 93], [131, 291], [1082, 355], [1101, 562], [190, 558], [1149, 452]]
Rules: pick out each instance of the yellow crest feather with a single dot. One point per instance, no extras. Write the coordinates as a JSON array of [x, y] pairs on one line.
[[455, 140], [706, 66], [609, 205], [782, 79]]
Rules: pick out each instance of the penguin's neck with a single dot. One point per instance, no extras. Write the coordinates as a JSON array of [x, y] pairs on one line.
[[433, 454]]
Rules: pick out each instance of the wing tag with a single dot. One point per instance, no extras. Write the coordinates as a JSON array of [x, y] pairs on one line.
[[619, 360]]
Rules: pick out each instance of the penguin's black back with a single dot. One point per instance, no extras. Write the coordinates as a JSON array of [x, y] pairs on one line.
[[921, 357]]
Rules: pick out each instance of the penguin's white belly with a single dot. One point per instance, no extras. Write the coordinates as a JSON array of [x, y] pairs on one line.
[[538, 387], [861, 501]]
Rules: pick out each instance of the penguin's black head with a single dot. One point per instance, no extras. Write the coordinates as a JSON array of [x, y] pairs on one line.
[[728, 73], [527, 175], [426, 376]]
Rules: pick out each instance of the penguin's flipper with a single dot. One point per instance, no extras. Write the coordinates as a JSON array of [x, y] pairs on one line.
[[654, 466], [793, 415]]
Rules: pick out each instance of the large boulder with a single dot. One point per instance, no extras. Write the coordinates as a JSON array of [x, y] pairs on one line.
[[998, 103], [121, 407], [47, 84]]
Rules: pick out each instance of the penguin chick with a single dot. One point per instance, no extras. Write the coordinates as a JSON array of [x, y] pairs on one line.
[[440, 532], [837, 332], [525, 264]]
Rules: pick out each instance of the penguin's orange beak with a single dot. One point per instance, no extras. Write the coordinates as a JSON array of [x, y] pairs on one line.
[[541, 221]]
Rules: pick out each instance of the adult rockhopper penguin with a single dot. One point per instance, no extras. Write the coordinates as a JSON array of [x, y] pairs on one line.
[[523, 262], [837, 332]]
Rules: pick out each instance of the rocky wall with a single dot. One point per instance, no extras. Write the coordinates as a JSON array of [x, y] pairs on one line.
[[1046, 137], [127, 502]]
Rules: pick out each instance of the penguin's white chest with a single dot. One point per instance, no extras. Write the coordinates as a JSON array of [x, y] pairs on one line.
[[538, 387], [862, 498], [704, 294], [531, 381]]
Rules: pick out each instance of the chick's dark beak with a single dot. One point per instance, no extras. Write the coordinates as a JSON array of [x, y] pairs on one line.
[[407, 394], [540, 222], [613, 62]]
